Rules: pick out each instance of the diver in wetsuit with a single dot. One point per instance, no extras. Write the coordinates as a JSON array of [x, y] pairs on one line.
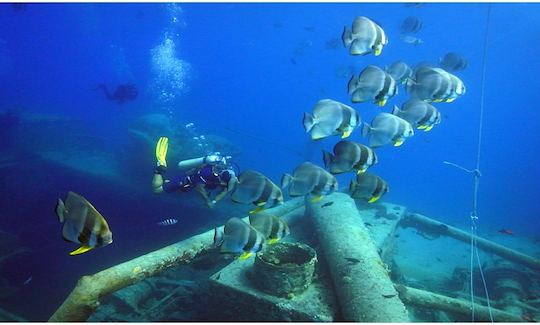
[[123, 93], [205, 174]]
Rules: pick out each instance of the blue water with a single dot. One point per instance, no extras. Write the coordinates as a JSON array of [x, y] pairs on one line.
[[245, 72]]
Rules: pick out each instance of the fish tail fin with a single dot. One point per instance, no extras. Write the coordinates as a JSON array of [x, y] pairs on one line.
[[308, 122], [346, 36], [60, 210], [366, 129], [352, 84], [358, 94], [357, 48], [327, 158], [410, 85], [286, 180]]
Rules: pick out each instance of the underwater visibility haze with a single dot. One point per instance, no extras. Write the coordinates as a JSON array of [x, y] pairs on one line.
[[262, 103]]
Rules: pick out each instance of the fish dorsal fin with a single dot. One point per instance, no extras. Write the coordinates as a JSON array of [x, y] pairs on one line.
[[358, 48], [92, 209], [60, 210], [98, 215]]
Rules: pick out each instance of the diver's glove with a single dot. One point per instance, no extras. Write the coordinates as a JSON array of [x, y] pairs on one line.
[[160, 169]]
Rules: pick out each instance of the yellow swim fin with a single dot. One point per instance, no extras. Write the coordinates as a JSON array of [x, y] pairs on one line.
[[378, 52], [421, 127], [161, 150], [428, 128], [273, 241], [398, 143], [346, 134], [80, 250], [316, 198], [437, 100], [374, 199], [245, 256], [449, 100]]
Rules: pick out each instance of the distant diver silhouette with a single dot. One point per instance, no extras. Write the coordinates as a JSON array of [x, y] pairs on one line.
[[123, 93]]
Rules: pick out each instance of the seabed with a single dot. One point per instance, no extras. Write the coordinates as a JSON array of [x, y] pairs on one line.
[[376, 262], [366, 270]]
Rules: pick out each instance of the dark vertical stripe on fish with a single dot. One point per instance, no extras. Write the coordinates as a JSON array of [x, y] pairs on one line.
[[283, 230], [266, 193], [427, 117], [378, 34], [444, 88], [258, 243], [322, 182], [378, 188], [275, 227], [345, 118], [252, 240], [364, 155], [385, 88], [86, 232]]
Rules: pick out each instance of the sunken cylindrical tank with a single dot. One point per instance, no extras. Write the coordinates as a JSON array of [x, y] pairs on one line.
[[361, 279], [284, 269]]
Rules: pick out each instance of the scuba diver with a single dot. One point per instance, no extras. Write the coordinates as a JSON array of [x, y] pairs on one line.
[[122, 93], [205, 174]]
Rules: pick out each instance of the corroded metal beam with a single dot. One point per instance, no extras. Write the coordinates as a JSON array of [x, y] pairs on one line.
[[436, 227]]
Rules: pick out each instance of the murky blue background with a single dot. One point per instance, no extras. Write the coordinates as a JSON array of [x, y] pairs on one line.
[[245, 73]]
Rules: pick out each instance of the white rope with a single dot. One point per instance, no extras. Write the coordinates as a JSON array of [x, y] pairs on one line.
[[471, 284], [483, 280], [476, 173], [472, 171]]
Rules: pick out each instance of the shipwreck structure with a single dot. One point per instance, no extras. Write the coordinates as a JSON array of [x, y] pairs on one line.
[[337, 265]]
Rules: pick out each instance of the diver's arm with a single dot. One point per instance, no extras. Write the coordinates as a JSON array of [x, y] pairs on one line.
[[157, 183], [220, 195], [200, 188], [157, 180]]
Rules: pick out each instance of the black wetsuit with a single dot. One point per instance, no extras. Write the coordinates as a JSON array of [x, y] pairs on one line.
[[204, 175]]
